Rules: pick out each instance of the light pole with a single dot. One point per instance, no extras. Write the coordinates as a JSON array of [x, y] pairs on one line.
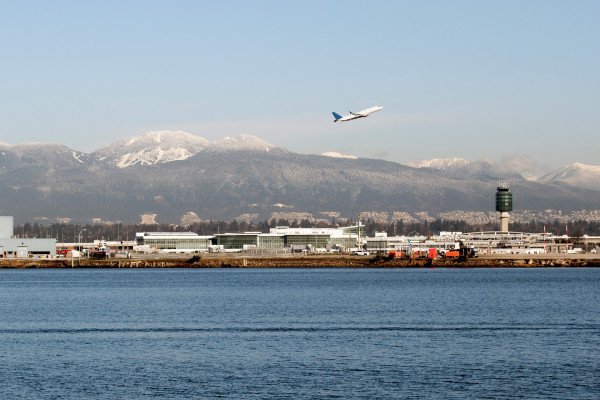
[[80, 238]]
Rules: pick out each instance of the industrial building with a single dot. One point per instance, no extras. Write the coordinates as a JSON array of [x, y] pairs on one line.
[[11, 247]]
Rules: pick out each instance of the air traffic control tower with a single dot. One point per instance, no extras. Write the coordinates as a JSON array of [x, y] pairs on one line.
[[503, 205]]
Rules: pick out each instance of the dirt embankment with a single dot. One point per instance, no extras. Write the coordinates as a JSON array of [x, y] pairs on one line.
[[304, 262]]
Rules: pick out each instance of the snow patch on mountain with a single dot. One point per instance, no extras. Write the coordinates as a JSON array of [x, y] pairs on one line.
[[338, 155], [153, 156], [242, 142], [47, 154], [29, 147], [78, 156], [439, 163], [459, 167], [34, 149]]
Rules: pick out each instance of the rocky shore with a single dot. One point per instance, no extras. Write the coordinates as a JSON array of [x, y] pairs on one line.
[[311, 261]]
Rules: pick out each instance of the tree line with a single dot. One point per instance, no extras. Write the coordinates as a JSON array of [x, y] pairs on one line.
[[73, 233]]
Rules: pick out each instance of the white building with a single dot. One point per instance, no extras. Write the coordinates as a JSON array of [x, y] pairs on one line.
[[171, 242], [11, 247]]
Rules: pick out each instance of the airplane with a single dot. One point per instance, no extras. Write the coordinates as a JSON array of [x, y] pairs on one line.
[[360, 114]]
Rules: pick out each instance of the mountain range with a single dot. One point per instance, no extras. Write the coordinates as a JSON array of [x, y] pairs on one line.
[[176, 177]]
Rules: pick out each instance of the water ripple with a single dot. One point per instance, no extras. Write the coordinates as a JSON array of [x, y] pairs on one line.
[[307, 329]]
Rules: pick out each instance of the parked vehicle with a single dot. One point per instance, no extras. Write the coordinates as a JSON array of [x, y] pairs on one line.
[[452, 254], [62, 252]]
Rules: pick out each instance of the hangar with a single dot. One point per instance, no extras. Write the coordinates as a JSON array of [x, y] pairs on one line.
[[11, 247]]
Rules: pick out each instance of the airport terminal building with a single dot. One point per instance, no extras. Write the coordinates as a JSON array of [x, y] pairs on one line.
[[279, 238], [352, 238], [171, 242]]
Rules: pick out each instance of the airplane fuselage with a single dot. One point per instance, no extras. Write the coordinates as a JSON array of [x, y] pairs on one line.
[[360, 114]]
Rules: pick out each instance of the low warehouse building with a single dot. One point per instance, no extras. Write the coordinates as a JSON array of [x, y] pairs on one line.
[[23, 248], [11, 247]]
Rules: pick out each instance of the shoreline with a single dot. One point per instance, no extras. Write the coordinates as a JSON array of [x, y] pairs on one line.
[[312, 261]]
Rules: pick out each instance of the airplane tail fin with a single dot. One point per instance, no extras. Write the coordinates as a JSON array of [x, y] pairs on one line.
[[336, 116]]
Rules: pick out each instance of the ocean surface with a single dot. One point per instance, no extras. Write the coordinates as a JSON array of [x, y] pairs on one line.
[[300, 333]]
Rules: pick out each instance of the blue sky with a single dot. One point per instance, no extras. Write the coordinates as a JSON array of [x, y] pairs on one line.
[[505, 80]]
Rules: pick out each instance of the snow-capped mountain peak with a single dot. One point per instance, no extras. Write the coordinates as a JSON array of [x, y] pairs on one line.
[[154, 147], [580, 168], [159, 147], [576, 174]]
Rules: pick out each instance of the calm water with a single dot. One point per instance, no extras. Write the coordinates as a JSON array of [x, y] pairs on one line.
[[307, 333]]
